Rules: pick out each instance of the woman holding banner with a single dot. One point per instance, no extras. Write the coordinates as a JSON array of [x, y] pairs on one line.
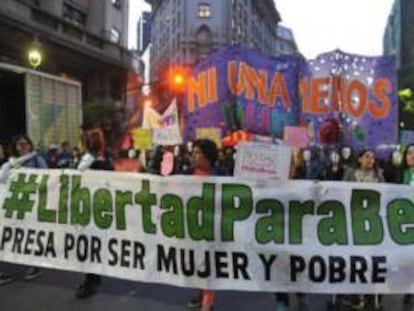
[[366, 171], [93, 159], [408, 179], [22, 154], [203, 161]]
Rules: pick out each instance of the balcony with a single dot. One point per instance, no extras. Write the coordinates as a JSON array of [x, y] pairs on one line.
[[32, 19]]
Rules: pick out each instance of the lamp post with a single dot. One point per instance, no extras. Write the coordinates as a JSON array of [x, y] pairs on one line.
[[34, 54]]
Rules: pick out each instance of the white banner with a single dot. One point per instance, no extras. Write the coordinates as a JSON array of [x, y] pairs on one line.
[[216, 233]]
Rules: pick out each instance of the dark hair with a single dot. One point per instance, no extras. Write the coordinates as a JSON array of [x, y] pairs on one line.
[[156, 159], [12, 147], [404, 161], [364, 151], [94, 143], [208, 148]]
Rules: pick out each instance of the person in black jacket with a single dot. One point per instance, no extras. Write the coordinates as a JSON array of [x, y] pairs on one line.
[[93, 159], [3, 156]]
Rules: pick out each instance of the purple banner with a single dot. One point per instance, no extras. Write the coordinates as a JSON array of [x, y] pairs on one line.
[[350, 100], [342, 99]]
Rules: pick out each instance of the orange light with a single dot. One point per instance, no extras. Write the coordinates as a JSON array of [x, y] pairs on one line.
[[178, 79], [147, 102]]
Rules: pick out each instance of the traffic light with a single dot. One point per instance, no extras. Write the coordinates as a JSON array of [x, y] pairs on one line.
[[177, 79]]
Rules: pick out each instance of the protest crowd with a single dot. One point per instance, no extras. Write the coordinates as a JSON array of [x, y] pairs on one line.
[[341, 147], [202, 157]]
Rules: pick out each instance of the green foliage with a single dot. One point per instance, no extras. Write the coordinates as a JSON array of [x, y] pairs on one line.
[[406, 100]]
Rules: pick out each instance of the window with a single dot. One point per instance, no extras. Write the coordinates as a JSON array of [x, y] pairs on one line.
[[114, 35], [204, 10], [73, 15], [116, 3]]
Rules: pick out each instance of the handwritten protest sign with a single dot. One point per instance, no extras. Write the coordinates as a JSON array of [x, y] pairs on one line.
[[142, 138], [262, 161], [167, 136], [296, 136]]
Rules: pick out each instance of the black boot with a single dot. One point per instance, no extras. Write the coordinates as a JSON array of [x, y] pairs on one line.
[[89, 286]]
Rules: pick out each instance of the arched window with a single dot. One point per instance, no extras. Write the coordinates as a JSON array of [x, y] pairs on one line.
[[204, 42]]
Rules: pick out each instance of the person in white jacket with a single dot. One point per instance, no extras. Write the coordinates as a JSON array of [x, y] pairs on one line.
[[22, 154]]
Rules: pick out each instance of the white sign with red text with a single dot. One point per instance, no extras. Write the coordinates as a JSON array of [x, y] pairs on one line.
[[262, 161]]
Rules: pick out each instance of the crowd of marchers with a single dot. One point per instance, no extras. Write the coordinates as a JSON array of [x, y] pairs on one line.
[[203, 158]]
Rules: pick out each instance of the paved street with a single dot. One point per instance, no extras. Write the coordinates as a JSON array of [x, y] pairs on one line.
[[55, 290]]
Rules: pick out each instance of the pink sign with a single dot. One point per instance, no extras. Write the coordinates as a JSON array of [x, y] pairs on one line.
[[167, 164], [296, 136]]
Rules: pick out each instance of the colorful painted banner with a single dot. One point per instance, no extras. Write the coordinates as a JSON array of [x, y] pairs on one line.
[[241, 89], [350, 99], [212, 233], [154, 120], [151, 118], [165, 127], [342, 99]]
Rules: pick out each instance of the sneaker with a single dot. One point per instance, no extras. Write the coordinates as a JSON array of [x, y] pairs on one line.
[[302, 302], [32, 273], [355, 302], [194, 303], [408, 299], [85, 290], [89, 286], [4, 279]]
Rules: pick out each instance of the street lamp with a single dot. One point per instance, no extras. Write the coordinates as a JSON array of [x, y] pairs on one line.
[[34, 54]]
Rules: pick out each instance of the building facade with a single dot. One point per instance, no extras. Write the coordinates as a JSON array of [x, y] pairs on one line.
[[81, 39], [144, 32], [399, 40], [185, 32], [285, 43]]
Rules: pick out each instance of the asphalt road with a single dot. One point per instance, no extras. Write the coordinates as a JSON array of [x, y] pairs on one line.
[[55, 290]]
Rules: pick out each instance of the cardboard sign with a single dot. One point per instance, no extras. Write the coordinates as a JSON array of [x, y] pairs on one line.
[[142, 138], [213, 133], [167, 136], [262, 161], [296, 136]]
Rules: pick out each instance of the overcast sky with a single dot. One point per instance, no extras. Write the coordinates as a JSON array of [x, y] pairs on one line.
[[355, 26]]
